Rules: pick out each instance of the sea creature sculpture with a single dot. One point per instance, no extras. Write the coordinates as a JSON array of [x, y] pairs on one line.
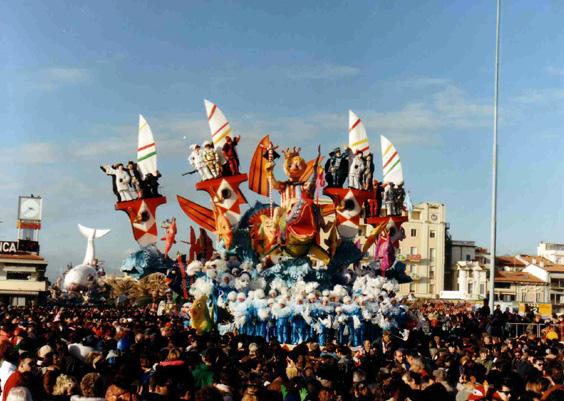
[[200, 317], [85, 276], [170, 236]]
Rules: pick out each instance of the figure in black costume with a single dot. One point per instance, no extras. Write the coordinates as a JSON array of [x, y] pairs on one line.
[[337, 168], [150, 185], [399, 198], [114, 184]]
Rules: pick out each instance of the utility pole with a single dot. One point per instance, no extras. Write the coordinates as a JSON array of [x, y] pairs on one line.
[[493, 233]]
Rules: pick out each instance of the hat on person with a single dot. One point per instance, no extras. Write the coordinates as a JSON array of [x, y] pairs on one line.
[[43, 351], [478, 393]]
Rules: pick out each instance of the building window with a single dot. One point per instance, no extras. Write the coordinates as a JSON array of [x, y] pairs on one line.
[[432, 254], [431, 272], [470, 288], [413, 232], [432, 234], [482, 288], [415, 215], [468, 257], [431, 288], [539, 297], [412, 269], [18, 276], [413, 250], [412, 287]]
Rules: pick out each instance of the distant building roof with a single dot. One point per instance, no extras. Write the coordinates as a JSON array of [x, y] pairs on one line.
[[543, 263], [509, 261], [516, 277]]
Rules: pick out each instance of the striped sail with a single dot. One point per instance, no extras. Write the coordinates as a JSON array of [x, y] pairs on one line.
[[219, 126], [358, 140], [146, 149], [391, 165]]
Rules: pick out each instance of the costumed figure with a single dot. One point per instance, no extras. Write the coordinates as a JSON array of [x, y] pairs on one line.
[[282, 313], [150, 185], [260, 306], [399, 199], [299, 325], [368, 173], [298, 217], [389, 200], [323, 315], [170, 235], [135, 178], [211, 159], [336, 168], [230, 155], [341, 326], [197, 161], [122, 180], [356, 171]]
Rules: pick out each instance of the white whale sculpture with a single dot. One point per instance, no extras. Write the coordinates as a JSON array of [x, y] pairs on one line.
[[84, 276]]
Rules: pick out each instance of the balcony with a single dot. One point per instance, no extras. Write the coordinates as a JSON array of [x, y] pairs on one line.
[[22, 286]]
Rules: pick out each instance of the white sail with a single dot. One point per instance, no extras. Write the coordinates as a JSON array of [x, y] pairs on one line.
[[391, 165], [146, 149], [219, 126], [358, 140]]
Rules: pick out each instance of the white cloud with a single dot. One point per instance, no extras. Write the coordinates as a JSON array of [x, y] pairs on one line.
[[556, 71], [323, 71], [56, 77], [540, 96]]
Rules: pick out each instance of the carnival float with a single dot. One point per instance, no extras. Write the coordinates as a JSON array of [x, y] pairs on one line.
[[313, 256]]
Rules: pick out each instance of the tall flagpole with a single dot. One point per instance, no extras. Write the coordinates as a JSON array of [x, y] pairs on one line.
[[494, 164]]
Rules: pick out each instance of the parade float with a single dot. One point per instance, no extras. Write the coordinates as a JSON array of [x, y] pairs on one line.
[[313, 256]]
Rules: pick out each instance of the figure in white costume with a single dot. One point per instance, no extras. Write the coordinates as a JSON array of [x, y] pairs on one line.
[[356, 171], [85, 275], [197, 161], [123, 180]]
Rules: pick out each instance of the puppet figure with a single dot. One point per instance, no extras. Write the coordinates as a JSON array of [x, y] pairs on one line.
[[336, 168], [356, 171], [229, 151], [122, 181], [211, 160], [197, 161], [368, 172], [135, 178]]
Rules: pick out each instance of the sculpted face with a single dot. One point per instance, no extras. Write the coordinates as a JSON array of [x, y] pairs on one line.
[[294, 167]]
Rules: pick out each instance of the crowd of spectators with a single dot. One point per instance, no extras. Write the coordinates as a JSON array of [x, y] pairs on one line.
[[131, 354]]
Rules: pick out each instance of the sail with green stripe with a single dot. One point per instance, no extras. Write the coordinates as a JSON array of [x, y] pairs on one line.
[[391, 164], [146, 149]]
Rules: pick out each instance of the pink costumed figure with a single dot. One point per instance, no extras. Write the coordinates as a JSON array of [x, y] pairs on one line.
[[385, 252]]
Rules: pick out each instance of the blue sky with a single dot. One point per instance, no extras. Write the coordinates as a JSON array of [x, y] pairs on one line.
[[74, 77]]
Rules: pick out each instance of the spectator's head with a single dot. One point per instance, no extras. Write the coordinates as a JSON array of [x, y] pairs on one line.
[[65, 385], [26, 363], [19, 394], [92, 385]]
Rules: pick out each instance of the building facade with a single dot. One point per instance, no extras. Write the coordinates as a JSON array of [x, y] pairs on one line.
[[423, 250], [22, 277], [553, 252]]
